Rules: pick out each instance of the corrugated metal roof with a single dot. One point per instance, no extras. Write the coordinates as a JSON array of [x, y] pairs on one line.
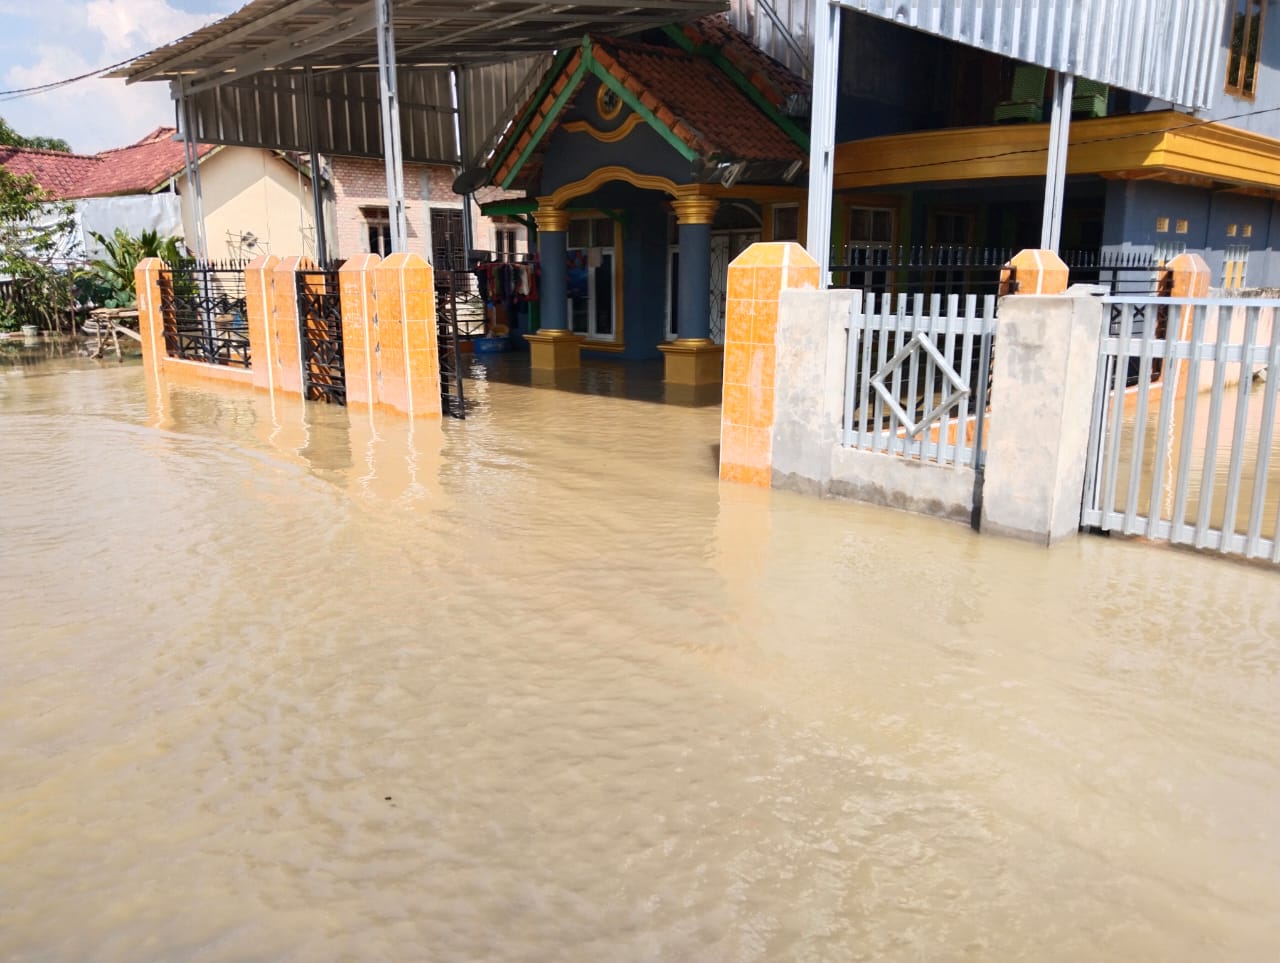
[[338, 33], [1167, 49]]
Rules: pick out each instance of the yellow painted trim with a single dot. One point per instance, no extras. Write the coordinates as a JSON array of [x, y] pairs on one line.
[[610, 347], [603, 91], [1163, 144], [649, 182], [621, 132]]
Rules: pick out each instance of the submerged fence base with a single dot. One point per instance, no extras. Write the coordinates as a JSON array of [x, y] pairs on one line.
[[886, 402], [386, 347]]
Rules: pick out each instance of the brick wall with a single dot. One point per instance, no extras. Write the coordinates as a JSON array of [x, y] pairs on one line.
[[358, 182]]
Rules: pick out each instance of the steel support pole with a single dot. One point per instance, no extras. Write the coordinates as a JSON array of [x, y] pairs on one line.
[[191, 154], [822, 133], [389, 99], [464, 154], [317, 195], [1055, 183]]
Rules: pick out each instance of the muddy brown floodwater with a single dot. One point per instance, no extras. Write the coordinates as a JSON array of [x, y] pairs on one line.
[[287, 684]]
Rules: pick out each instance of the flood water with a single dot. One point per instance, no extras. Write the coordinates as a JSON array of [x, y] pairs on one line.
[[298, 684]]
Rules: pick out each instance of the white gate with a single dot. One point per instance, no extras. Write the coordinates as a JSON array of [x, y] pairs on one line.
[[1184, 424], [917, 377]]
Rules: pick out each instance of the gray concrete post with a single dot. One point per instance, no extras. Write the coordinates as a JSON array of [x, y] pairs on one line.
[[1045, 370], [812, 341]]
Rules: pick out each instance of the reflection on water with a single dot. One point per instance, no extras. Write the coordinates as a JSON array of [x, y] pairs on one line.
[[287, 683]]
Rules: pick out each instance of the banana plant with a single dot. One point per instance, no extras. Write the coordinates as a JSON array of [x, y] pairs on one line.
[[121, 254]]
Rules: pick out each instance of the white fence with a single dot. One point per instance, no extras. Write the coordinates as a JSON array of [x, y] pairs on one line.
[[1184, 424], [917, 377]]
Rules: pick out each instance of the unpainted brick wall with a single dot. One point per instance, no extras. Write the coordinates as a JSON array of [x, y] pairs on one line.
[[359, 182]]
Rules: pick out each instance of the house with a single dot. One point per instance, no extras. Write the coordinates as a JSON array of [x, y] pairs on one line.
[[942, 143], [649, 163], [650, 152], [254, 201], [433, 211]]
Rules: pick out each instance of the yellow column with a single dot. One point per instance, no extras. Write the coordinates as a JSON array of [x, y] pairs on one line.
[[757, 278]]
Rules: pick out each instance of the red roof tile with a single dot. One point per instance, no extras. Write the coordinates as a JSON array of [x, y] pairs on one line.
[[58, 174], [136, 169], [689, 93], [718, 118]]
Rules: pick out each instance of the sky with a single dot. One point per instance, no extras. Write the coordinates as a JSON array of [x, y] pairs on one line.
[[47, 40]]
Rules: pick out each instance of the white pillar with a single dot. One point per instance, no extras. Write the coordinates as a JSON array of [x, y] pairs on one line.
[[1055, 183], [822, 133]]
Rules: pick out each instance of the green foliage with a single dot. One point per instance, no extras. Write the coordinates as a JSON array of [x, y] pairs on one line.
[[114, 271], [30, 228], [12, 138]]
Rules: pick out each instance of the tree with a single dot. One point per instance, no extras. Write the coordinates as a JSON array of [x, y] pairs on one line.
[[10, 137], [31, 226]]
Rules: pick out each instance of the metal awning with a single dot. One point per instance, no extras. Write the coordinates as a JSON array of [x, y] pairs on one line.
[[433, 81], [335, 34]]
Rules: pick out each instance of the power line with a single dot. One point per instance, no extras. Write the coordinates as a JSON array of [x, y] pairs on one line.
[[20, 92]]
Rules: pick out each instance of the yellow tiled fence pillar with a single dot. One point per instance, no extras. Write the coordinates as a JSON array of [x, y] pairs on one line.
[[1034, 271], [260, 313], [146, 276], [406, 374], [357, 289], [283, 334], [757, 278]]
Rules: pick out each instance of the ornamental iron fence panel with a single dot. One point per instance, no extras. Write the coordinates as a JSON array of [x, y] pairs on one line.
[[202, 305], [320, 334]]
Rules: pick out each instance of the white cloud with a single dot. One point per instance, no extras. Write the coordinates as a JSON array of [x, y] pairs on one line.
[[56, 39]]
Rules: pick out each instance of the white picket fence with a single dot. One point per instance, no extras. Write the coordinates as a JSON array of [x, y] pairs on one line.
[[917, 376]]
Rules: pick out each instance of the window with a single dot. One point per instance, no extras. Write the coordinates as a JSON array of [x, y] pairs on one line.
[[1162, 225], [786, 222], [1235, 266], [1242, 54], [504, 241], [592, 292], [869, 246], [377, 223]]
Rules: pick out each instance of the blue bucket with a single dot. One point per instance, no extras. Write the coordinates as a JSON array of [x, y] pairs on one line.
[[489, 345]]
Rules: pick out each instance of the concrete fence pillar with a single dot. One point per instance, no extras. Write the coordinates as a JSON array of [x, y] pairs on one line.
[[408, 377], [1046, 362], [283, 334], [362, 366], [757, 278], [259, 296], [146, 277], [1033, 271]]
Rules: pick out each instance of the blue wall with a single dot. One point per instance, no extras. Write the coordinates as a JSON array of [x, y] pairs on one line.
[[570, 157], [1133, 208]]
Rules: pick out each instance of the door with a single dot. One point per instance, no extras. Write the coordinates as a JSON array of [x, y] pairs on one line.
[[448, 246]]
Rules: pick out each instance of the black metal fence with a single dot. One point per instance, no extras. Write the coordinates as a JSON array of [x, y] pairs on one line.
[[204, 315], [320, 331], [945, 270]]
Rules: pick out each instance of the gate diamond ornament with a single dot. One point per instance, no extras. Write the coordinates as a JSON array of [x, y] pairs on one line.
[[921, 342]]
